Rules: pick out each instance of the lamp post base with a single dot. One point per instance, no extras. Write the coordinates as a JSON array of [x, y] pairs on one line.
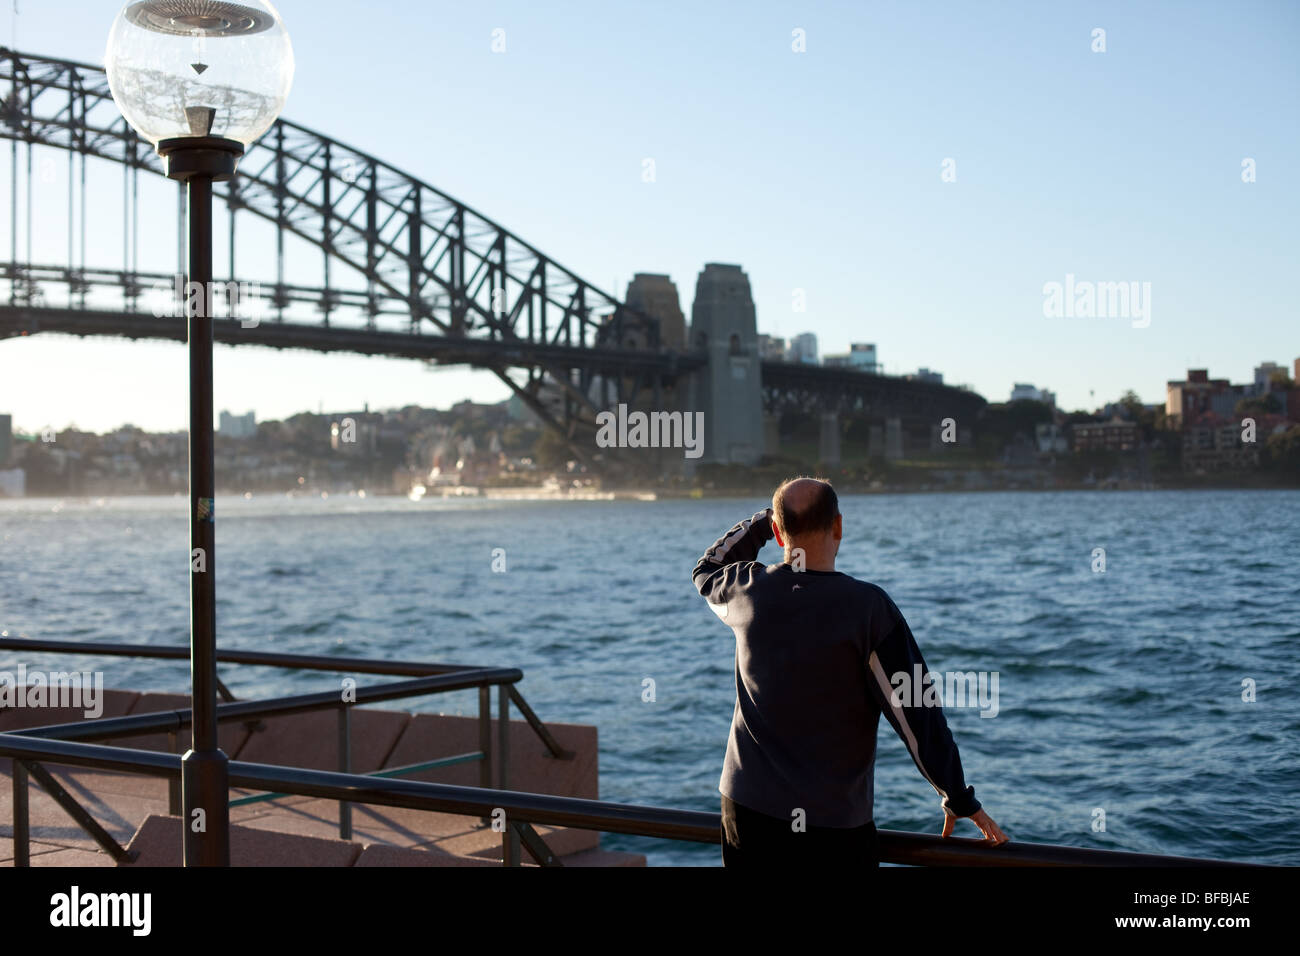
[[211, 157], [205, 795]]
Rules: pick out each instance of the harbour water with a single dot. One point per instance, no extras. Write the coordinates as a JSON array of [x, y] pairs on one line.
[[1120, 692]]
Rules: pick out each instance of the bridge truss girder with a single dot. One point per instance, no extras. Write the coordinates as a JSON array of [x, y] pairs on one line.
[[454, 273], [845, 392]]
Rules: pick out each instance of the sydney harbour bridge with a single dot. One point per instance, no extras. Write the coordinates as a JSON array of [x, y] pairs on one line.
[[358, 256]]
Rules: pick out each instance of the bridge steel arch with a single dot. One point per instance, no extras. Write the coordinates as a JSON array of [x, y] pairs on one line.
[[464, 289], [473, 292]]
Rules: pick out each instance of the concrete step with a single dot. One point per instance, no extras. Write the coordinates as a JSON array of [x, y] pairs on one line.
[[158, 844], [130, 804]]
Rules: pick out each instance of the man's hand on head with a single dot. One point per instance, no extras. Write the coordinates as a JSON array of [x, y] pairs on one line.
[[993, 834]]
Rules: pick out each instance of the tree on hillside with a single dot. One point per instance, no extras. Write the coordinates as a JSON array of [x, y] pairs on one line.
[[1260, 405], [999, 425], [550, 450], [1132, 405], [1282, 453]]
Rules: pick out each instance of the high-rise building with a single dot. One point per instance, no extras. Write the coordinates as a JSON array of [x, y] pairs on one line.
[[862, 356], [803, 348], [1187, 400], [1201, 400], [238, 426], [1264, 373], [1021, 391], [1029, 392], [771, 348]]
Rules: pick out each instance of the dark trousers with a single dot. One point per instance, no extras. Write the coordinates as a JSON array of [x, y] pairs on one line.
[[754, 839]]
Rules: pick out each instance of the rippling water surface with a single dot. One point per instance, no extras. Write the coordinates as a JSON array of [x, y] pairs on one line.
[[1119, 690]]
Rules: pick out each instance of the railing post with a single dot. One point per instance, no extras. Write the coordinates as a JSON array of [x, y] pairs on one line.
[[510, 845], [553, 748], [173, 783], [22, 830], [485, 742], [78, 813], [503, 736], [345, 766]]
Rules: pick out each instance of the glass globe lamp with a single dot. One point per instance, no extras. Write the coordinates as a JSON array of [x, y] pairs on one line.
[[199, 68]]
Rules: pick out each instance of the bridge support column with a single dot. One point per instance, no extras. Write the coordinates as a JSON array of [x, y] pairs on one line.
[[829, 444], [875, 440], [771, 434], [893, 439]]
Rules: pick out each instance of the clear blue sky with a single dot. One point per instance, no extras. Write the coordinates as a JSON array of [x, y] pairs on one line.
[[816, 170]]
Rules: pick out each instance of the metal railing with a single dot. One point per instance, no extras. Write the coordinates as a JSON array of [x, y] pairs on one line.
[[523, 810], [438, 678], [352, 665], [67, 744]]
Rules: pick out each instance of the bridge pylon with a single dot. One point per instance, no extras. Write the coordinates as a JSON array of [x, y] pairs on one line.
[[729, 389], [829, 440]]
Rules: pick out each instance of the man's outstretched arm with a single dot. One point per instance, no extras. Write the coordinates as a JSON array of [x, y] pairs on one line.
[[712, 574], [922, 727]]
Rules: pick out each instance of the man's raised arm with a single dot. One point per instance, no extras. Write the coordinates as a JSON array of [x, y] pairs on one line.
[[715, 570]]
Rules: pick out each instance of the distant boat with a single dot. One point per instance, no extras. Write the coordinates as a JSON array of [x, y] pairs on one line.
[[416, 492]]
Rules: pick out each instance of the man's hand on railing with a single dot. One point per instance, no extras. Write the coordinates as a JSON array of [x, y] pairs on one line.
[[993, 834]]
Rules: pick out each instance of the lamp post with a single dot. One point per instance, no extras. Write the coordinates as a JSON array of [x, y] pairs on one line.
[[201, 79]]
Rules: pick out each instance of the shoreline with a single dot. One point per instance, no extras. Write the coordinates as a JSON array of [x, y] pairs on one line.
[[539, 493]]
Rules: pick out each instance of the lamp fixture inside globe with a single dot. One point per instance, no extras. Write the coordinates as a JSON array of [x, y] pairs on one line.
[[208, 18], [199, 68]]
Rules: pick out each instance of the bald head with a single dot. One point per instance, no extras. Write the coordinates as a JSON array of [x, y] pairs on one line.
[[807, 524], [805, 505]]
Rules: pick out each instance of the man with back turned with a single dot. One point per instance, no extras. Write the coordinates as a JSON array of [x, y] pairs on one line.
[[815, 652]]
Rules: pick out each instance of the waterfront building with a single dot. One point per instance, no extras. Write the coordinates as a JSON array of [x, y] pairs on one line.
[[1217, 447], [1051, 439], [1114, 435]]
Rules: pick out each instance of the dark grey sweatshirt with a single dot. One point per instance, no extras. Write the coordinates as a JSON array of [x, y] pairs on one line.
[[815, 652]]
